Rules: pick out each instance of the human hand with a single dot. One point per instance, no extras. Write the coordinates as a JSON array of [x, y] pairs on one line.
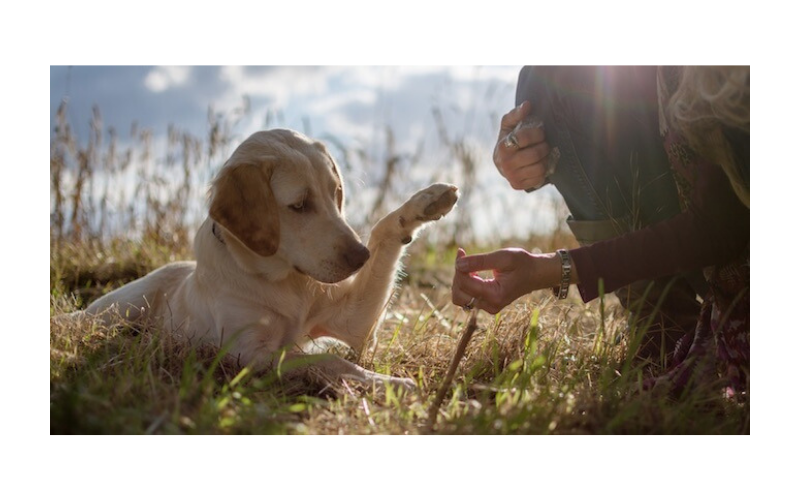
[[513, 269], [521, 152]]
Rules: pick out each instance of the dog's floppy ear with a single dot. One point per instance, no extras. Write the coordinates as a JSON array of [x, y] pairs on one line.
[[243, 203]]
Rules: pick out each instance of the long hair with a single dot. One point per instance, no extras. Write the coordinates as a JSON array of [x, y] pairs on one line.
[[707, 99]]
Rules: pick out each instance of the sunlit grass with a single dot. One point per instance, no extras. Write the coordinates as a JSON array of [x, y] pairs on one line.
[[540, 366]]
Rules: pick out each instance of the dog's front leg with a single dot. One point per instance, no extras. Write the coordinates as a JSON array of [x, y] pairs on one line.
[[331, 369], [361, 303], [324, 369]]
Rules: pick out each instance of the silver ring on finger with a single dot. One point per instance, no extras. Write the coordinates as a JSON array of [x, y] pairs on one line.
[[511, 141]]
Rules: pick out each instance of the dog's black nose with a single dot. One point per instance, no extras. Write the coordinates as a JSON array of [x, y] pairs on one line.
[[356, 256]]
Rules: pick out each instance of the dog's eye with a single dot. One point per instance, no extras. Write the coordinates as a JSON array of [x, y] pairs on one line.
[[302, 206]]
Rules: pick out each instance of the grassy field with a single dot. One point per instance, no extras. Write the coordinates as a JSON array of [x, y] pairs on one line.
[[539, 367]]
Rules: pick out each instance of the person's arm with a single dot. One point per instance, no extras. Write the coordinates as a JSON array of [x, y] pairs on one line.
[[714, 230]]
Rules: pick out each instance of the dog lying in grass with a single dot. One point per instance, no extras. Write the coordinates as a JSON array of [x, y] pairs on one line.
[[277, 264]]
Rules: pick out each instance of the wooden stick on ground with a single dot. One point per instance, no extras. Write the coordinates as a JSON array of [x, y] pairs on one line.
[[472, 325]]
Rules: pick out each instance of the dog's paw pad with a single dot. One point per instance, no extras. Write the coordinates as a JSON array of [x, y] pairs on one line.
[[434, 202], [429, 204], [443, 204]]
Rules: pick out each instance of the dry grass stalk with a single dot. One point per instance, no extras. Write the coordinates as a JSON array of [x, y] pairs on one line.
[[433, 412]]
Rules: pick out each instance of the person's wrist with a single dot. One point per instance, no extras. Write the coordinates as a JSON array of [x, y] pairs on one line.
[[545, 271]]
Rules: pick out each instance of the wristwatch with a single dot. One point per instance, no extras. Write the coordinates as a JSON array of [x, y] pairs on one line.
[[566, 271]]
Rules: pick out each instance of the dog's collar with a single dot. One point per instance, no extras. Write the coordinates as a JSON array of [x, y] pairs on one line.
[[216, 233]]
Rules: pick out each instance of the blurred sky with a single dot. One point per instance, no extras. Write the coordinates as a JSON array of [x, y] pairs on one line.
[[346, 101], [353, 105]]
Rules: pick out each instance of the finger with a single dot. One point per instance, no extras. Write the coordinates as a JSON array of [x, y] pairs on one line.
[[466, 287], [532, 176], [507, 160], [483, 262], [525, 157], [529, 136], [510, 119], [530, 184], [463, 292], [470, 264], [462, 299]]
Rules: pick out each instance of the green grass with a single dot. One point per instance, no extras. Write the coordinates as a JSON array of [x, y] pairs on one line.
[[538, 367]]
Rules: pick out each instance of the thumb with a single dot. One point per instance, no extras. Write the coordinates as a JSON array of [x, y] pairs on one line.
[[513, 117], [461, 260]]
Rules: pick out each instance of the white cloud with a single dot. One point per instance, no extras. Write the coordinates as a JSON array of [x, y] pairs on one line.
[[347, 130], [162, 78], [333, 102], [279, 84], [283, 84]]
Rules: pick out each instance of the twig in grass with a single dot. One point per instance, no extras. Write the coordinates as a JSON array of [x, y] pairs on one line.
[[472, 325], [366, 410]]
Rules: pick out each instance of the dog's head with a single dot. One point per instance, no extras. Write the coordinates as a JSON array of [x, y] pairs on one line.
[[281, 196]]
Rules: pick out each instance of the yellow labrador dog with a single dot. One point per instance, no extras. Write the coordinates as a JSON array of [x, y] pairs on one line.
[[277, 264]]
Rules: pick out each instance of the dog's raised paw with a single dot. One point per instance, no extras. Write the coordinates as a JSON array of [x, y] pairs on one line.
[[433, 202], [429, 204]]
